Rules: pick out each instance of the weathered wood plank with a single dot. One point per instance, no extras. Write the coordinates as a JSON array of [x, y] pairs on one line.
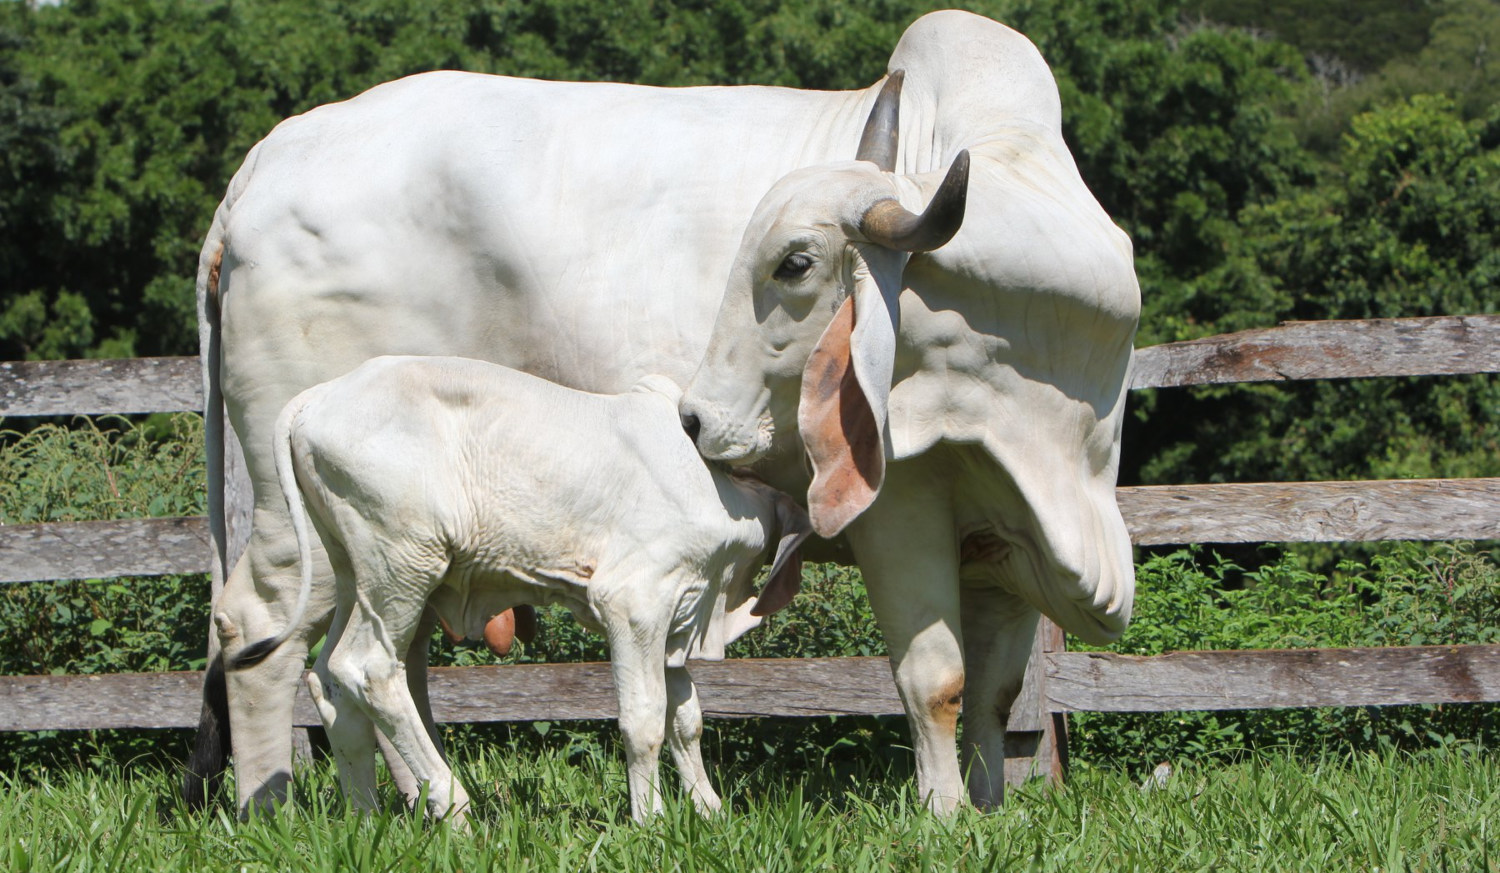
[[746, 687], [1076, 681], [103, 549], [1443, 345], [736, 688], [1406, 509], [1259, 679], [1412, 509], [739, 688], [117, 700], [89, 387]]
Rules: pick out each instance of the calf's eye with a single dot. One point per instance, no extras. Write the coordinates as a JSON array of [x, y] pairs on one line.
[[794, 265]]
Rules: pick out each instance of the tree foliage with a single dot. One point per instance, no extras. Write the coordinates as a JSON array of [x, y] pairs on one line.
[[1409, 225], [1257, 182], [1361, 35]]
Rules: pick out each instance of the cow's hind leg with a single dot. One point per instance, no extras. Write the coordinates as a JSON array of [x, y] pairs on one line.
[[261, 695], [685, 736], [998, 629]]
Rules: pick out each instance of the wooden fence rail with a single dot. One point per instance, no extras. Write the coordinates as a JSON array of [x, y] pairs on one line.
[[1057, 681], [746, 688], [1401, 509], [1451, 345]]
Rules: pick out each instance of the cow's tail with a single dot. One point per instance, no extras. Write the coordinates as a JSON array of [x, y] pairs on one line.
[[210, 755], [286, 473]]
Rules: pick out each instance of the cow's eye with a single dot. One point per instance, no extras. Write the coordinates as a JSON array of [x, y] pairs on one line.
[[794, 265]]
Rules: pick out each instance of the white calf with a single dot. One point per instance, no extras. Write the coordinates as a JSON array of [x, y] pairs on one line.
[[473, 488]]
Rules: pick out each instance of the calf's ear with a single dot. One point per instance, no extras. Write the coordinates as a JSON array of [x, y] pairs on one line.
[[786, 568], [846, 387]]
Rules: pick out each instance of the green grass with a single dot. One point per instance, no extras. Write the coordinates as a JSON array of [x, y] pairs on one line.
[[1274, 812]]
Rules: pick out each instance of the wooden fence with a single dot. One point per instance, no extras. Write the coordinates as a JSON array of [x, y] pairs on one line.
[[1057, 681]]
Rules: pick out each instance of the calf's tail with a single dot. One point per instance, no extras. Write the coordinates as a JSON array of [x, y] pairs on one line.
[[286, 474]]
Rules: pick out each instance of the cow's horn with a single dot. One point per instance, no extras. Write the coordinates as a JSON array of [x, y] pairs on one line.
[[883, 128], [891, 225]]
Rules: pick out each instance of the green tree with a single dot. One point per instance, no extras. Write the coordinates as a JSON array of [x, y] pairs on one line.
[[1409, 227], [1441, 47], [133, 115], [1360, 35], [125, 118]]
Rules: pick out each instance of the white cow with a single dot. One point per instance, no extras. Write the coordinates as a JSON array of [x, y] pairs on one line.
[[586, 233], [475, 488]]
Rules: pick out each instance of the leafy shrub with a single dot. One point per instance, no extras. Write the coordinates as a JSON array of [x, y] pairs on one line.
[[100, 469], [103, 470], [1409, 594]]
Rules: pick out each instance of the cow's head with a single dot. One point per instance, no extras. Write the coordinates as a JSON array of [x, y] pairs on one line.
[[805, 341], [1009, 344]]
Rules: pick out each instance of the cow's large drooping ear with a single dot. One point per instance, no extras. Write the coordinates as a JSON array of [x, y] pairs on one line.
[[846, 388], [786, 568]]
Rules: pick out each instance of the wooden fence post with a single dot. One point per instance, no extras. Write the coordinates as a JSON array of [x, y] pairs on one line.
[[239, 502], [1035, 737]]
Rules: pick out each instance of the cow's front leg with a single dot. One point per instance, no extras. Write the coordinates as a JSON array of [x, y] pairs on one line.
[[998, 629], [637, 643], [908, 552], [685, 738]]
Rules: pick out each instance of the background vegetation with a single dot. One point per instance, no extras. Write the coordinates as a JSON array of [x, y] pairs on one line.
[[1270, 160]]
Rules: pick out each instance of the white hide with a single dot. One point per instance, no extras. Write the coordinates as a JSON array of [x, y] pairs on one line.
[[995, 369], [473, 488], [586, 233]]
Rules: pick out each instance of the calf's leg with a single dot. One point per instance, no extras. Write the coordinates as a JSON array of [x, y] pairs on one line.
[[364, 664], [351, 733], [416, 681], [391, 581], [684, 738], [637, 652]]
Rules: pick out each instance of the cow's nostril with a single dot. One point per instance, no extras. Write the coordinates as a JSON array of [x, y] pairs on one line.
[[691, 426]]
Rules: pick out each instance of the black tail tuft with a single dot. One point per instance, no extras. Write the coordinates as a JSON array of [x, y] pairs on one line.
[[254, 653], [205, 767]]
